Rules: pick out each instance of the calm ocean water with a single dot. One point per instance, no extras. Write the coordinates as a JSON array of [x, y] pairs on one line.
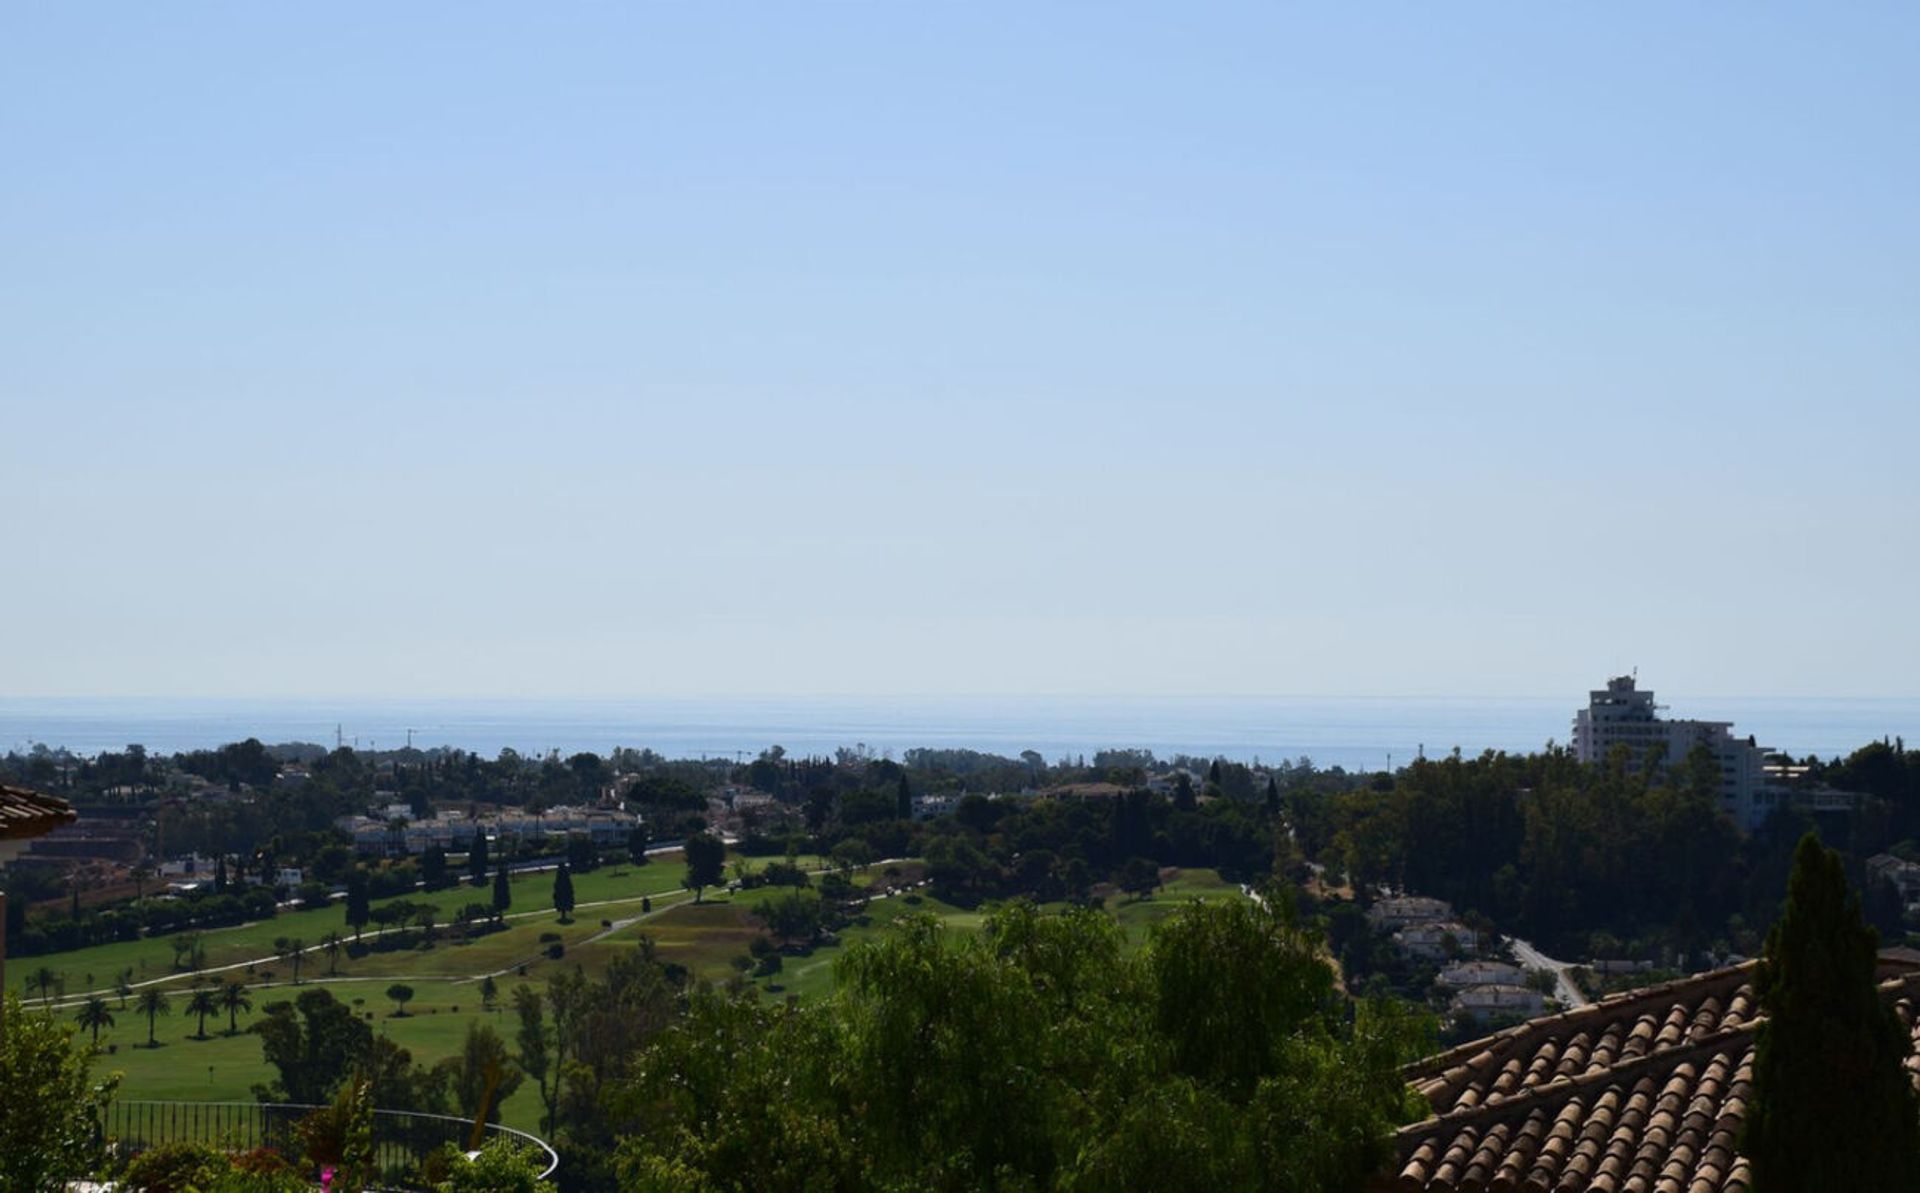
[[1354, 732]]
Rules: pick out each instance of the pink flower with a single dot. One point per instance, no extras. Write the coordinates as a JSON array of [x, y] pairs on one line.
[[326, 1179]]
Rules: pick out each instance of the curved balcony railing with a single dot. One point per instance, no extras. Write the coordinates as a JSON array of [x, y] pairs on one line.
[[402, 1139]]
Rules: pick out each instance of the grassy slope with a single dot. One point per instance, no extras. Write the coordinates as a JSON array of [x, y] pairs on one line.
[[704, 937]]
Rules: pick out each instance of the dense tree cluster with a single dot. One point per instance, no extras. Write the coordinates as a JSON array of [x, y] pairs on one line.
[[1038, 1054], [1578, 858]]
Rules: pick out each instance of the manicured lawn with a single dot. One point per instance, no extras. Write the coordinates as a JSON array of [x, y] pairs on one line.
[[610, 892], [705, 937], [225, 1068]]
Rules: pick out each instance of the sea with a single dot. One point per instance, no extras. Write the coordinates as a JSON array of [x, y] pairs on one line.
[[1365, 733]]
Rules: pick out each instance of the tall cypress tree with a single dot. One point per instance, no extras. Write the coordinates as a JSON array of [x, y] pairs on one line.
[[359, 904], [1833, 1107], [903, 799], [502, 892], [563, 892], [477, 858], [1183, 797]]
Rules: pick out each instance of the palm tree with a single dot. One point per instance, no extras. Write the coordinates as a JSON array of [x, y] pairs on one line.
[[295, 948], [152, 1002], [95, 1015], [45, 979], [203, 1003], [333, 944], [233, 1000]]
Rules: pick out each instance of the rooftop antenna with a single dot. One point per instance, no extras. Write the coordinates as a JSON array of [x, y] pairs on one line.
[[339, 738], [410, 734]]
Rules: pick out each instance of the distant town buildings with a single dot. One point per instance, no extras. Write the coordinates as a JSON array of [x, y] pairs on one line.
[[380, 836]]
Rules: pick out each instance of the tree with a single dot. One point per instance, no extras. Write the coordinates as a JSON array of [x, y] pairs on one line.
[[332, 943], [94, 1016], [903, 799], [220, 876], [433, 868], [1273, 796], [706, 862], [794, 917], [502, 893], [637, 841], [541, 1048], [45, 980], [1183, 797], [123, 986], [359, 901], [1833, 1107], [1139, 877], [401, 994], [205, 1001], [563, 893], [233, 1000], [489, 992], [53, 1108], [313, 1043], [296, 951], [472, 1075], [152, 1003], [477, 859]]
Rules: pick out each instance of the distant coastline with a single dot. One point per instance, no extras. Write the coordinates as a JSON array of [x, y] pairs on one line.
[[1358, 733]]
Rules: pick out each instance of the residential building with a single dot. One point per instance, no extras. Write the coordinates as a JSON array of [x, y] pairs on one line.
[[1624, 715], [1500, 998], [1401, 910], [1904, 875], [1437, 940], [1482, 973]]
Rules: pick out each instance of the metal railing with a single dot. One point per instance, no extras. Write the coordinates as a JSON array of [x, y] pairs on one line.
[[402, 1139]]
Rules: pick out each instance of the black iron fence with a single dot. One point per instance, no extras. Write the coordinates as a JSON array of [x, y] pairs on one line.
[[402, 1139]]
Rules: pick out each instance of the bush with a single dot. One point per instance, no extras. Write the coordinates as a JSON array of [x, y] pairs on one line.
[[769, 964], [556, 950], [501, 1167], [549, 937], [52, 1108], [174, 1168]]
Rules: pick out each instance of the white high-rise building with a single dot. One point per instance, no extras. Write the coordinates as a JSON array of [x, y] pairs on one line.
[[1621, 714]]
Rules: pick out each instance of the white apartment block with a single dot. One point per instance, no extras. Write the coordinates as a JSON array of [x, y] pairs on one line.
[[1622, 714]]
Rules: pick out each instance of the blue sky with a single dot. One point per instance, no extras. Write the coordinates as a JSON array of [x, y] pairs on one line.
[[867, 348]]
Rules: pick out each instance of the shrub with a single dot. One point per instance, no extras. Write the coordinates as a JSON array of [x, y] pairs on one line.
[[556, 950], [174, 1168], [500, 1167]]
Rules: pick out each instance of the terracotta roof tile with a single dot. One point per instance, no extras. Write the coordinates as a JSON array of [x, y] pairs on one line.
[[25, 813], [1639, 1093]]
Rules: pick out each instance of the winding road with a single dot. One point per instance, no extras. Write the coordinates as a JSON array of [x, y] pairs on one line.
[[1564, 989]]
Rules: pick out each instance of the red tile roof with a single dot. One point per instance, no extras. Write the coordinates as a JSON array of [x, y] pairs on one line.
[[25, 813], [1644, 1092]]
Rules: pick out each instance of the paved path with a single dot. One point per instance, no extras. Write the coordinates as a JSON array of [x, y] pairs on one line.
[[1564, 989]]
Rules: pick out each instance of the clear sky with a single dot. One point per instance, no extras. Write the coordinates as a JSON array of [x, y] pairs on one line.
[[578, 349]]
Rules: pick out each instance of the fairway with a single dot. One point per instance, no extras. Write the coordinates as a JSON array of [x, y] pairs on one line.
[[445, 971]]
